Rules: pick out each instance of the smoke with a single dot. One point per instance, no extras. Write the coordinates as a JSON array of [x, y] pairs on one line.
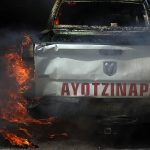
[[10, 42], [84, 111]]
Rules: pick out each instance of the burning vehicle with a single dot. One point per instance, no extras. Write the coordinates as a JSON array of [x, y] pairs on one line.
[[95, 54], [91, 67]]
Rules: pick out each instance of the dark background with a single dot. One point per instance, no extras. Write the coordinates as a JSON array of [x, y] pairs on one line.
[[31, 14]]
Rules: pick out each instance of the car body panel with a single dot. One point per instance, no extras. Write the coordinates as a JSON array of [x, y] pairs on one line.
[[59, 63], [78, 54]]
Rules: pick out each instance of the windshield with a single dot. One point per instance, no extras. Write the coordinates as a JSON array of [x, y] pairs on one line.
[[101, 14]]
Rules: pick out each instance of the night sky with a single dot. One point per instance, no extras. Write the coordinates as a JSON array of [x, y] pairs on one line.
[[24, 13]]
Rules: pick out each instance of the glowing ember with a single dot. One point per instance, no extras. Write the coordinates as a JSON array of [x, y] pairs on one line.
[[57, 22], [26, 40], [16, 140]]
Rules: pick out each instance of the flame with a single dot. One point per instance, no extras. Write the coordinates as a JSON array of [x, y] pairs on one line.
[[26, 40], [17, 69], [57, 21], [16, 140], [15, 108]]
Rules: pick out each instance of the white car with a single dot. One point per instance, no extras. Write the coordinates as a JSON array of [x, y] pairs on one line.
[[97, 52]]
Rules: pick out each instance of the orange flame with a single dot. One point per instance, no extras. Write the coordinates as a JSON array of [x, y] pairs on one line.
[[17, 69], [15, 104], [57, 21], [16, 140], [15, 108], [26, 40]]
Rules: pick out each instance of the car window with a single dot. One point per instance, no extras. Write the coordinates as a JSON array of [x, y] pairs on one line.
[[101, 14]]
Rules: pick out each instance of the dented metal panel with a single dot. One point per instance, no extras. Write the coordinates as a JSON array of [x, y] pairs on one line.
[[105, 69], [77, 63]]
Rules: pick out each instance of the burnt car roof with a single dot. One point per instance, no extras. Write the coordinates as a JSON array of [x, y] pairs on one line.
[[56, 4], [133, 1]]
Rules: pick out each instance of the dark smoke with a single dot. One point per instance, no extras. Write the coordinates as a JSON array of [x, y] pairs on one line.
[[30, 17]]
